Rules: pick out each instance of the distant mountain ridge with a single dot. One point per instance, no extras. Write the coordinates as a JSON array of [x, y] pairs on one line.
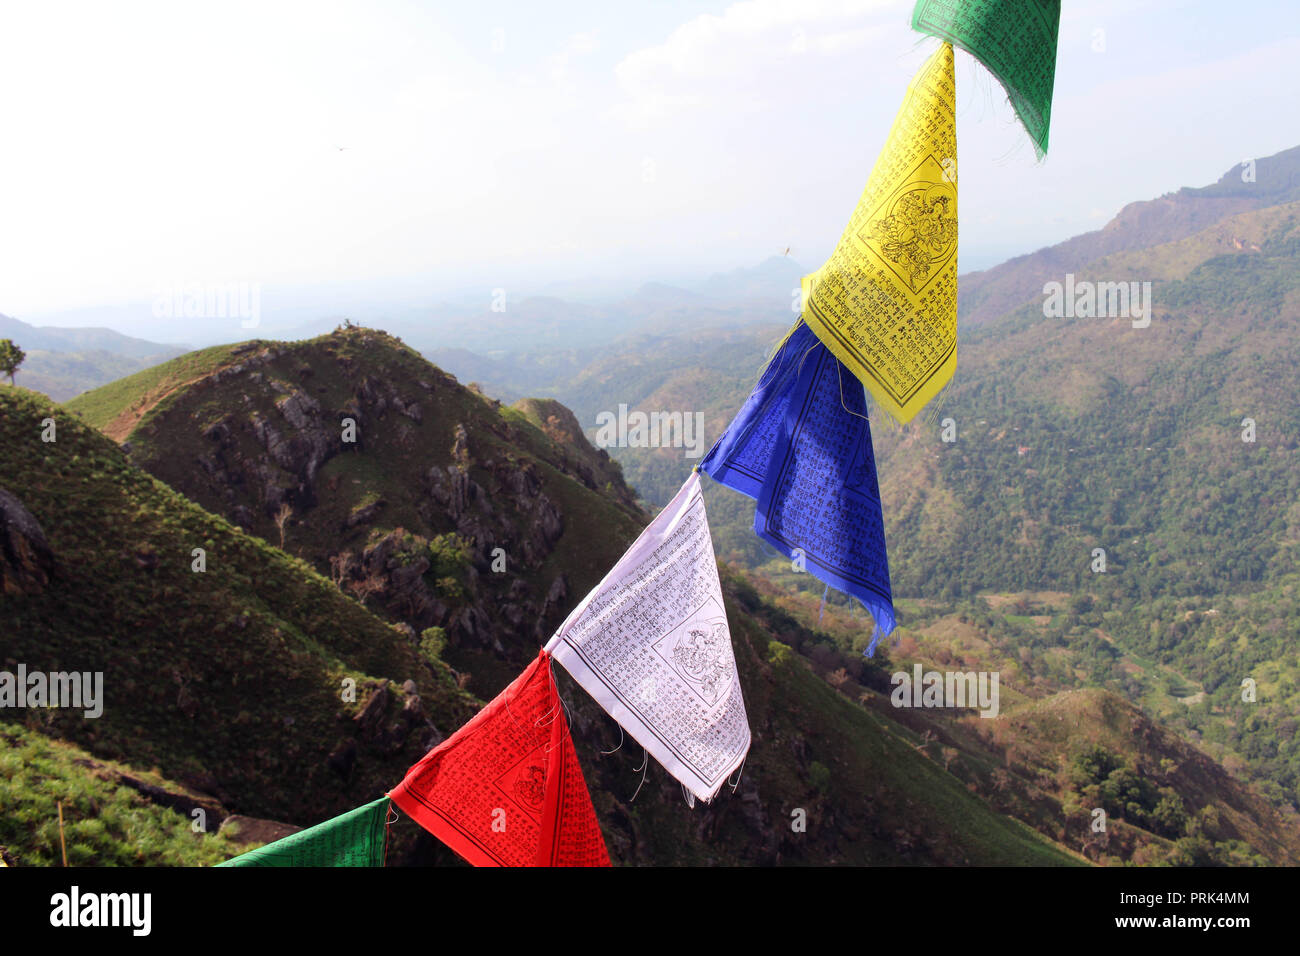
[[63, 362], [987, 295], [57, 339]]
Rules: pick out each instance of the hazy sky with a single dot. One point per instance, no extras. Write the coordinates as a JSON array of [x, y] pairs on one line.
[[146, 145]]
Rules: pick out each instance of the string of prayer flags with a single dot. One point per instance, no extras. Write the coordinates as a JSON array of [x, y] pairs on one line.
[[885, 302], [506, 789], [651, 644], [1014, 39], [801, 447], [355, 838]]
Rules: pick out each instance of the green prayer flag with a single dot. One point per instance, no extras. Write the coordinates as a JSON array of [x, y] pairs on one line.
[[355, 838], [1016, 42]]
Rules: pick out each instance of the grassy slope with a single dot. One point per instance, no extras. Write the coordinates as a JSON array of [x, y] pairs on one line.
[[105, 823], [114, 407]]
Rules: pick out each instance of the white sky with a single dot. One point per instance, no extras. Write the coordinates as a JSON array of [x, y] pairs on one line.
[[144, 145]]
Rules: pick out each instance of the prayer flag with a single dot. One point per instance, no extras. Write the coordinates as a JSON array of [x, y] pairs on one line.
[[1016, 42], [506, 789], [355, 838], [885, 302], [651, 644], [801, 446]]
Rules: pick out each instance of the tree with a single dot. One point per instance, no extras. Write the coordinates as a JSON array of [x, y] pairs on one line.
[[373, 583], [282, 518], [341, 567], [11, 356]]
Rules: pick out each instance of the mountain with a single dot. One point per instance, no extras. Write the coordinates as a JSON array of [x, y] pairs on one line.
[[985, 296], [439, 477], [773, 280], [59, 339], [435, 480]]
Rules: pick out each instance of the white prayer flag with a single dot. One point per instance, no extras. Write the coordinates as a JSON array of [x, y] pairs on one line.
[[651, 644]]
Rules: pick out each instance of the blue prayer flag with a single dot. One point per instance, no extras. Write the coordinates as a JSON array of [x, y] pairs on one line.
[[801, 446]]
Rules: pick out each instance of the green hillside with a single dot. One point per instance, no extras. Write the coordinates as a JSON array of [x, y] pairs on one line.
[[230, 678], [1023, 762], [814, 749], [436, 506]]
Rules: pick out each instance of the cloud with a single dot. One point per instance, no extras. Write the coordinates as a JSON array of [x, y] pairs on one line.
[[578, 45], [749, 51]]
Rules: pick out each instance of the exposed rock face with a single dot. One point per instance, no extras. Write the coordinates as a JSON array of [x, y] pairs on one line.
[[298, 441], [365, 515], [183, 798], [591, 466], [300, 450], [241, 829], [527, 537], [455, 542], [26, 560]]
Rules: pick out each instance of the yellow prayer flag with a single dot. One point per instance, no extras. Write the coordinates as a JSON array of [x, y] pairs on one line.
[[885, 302]]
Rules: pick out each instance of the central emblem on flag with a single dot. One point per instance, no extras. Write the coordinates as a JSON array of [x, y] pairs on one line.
[[524, 784], [700, 652], [531, 788], [914, 231], [702, 658]]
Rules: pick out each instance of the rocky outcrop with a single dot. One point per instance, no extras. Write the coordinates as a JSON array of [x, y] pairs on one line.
[[526, 524], [577, 457], [365, 514], [394, 569], [243, 830], [26, 560], [182, 798]]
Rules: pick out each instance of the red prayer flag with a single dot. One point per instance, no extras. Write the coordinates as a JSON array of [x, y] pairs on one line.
[[506, 789]]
